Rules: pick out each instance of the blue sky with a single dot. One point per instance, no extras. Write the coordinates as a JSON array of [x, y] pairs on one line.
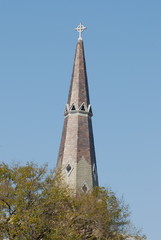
[[123, 55]]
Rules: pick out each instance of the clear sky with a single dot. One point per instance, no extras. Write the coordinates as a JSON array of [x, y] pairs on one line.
[[123, 55]]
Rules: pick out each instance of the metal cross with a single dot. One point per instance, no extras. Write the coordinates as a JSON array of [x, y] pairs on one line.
[[80, 29]]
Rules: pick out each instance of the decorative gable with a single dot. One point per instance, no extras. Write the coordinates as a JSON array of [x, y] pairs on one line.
[[83, 107], [72, 108]]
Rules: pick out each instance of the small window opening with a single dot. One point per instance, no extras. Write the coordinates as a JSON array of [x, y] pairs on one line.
[[84, 188], [68, 168], [73, 107], [82, 108]]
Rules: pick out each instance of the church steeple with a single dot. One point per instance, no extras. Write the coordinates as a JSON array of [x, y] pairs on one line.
[[77, 153]]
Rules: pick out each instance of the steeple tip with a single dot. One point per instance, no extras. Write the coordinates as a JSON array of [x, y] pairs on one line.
[[80, 29]]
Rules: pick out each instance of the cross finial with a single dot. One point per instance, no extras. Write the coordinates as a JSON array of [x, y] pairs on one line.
[[80, 29]]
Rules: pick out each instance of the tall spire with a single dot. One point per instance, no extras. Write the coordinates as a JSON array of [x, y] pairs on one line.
[[77, 153]]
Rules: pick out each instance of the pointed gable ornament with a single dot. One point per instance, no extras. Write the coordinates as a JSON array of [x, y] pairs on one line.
[[83, 107]]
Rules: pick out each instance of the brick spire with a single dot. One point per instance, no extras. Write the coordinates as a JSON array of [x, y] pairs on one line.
[[77, 153], [79, 93]]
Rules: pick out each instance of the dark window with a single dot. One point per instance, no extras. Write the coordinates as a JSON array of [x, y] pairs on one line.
[[82, 107], [84, 188], [68, 168], [73, 107]]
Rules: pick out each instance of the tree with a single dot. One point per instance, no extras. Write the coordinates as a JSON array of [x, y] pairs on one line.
[[35, 205]]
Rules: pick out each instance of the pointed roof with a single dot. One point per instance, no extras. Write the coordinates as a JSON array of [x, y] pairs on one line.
[[79, 92], [76, 155]]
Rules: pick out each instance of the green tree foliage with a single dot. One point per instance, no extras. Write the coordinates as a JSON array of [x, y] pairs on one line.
[[37, 206]]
